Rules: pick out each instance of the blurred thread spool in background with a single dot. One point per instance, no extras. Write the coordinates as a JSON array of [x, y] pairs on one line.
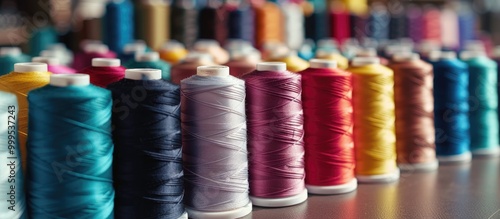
[[340, 24], [293, 21], [188, 66], [374, 134], [449, 31], [243, 62], [268, 24], [342, 62], [241, 22], [173, 52], [317, 22], [212, 21], [105, 71], [25, 77], [483, 103], [415, 23], [130, 50], [212, 47], [451, 94], [10, 56], [53, 65], [90, 51], [378, 22], [184, 22], [153, 22], [118, 23], [150, 60], [41, 38], [415, 134], [328, 124], [431, 25]]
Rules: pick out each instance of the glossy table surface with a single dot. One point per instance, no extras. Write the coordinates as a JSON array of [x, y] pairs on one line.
[[454, 191]]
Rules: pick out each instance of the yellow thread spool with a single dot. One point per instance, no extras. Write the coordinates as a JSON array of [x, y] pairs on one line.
[[374, 117], [153, 17], [293, 62], [173, 52], [26, 77], [342, 62]]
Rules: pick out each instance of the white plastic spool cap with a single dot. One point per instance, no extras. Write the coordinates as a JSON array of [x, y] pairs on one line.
[[474, 45], [143, 74], [447, 55], [64, 80], [252, 55], [205, 44], [237, 44], [134, 47], [328, 42], [46, 60], [172, 45], [322, 63], [466, 55], [147, 57], [212, 70], [271, 66], [105, 62], [196, 57], [4, 51], [25, 67], [50, 53], [85, 43], [434, 55], [368, 52], [404, 57], [58, 46], [97, 48], [362, 61]]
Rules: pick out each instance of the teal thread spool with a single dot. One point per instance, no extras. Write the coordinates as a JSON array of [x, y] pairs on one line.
[[41, 39], [483, 100], [150, 60], [70, 150], [10, 56]]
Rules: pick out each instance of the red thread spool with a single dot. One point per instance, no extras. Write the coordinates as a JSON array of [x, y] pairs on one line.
[[328, 125], [91, 51], [431, 24], [275, 136], [105, 71], [340, 22]]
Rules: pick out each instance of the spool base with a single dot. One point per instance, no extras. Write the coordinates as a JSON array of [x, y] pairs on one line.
[[333, 190], [280, 202], [492, 152], [382, 178], [184, 216], [431, 166], [235, 213], [461, 158]]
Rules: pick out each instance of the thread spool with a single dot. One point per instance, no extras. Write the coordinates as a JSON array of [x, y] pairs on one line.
[[449, 25], [373, 102], [11, 175], [451, 101], [241, 22], [212, 22], [41, 38], [153, 22], [151, 60], [431, 30], [60, 51], [340, 24], [184, 22], [292, 61], [10, 56], [268, 24], [225, 171], [173, 52], [306, 51], [243, 62], [84, 187], [105, 71], [90, 51], [329, 147], [25, 77], [426, 47], [53, 65], [118, 24], [415, 134], [188, 66], [212, 47], [466, 23], [137, 146], [130, 50], [275, 130], [415, 23], [378, 22], [483, 100], [398, 23], [342, 62], [317, 22], [293, 18], [371, 52]]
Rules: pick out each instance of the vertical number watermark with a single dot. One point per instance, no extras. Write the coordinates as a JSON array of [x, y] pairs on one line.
[[12, 156]]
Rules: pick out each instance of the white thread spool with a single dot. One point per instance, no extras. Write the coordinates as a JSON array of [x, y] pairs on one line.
[[10, 51], [46, 60]]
